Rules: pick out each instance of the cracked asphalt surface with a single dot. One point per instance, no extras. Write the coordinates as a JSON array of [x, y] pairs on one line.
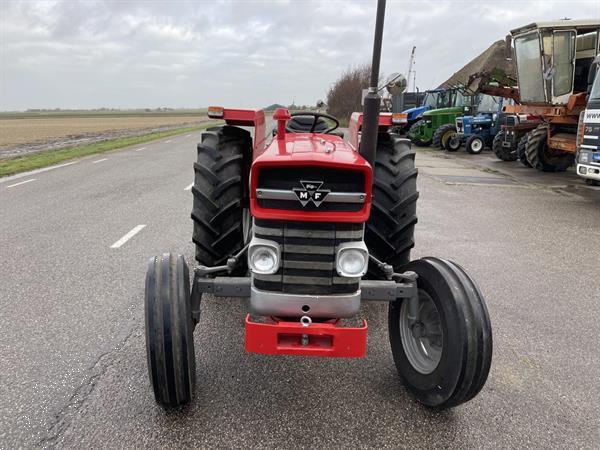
[[72, 354]]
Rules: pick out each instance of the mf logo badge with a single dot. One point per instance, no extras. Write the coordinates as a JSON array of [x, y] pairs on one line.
[[311, 192]]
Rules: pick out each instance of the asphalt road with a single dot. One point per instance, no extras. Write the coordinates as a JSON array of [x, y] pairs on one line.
[[72, 354]]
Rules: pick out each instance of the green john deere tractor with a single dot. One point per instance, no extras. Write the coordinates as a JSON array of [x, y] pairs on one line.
[[437, 125]]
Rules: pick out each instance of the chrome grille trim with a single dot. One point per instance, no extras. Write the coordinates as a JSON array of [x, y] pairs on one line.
[[332, 197]]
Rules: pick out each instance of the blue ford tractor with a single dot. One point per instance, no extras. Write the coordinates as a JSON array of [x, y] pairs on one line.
[[477, 132]]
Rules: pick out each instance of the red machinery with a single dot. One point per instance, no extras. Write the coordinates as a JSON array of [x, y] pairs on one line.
[[307, 226]]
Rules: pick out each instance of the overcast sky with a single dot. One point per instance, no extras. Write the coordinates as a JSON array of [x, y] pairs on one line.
[[90, 54]]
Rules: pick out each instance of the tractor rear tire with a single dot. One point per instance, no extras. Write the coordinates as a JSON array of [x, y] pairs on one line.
[[447, 359], [389, 233], [538, 155], [475, 144], [442, 134], [169, 330], [413, 131], [501, 152], [220, 197], [521, 146]]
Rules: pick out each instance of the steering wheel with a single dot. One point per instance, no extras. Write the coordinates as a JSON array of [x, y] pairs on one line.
[[316, 117]]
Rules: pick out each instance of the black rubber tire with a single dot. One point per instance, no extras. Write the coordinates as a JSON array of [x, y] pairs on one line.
[[465, 363], [439, 137], [389, 232], [469, 144], [411, 134], [501, 152], [453, 143], [220, 196], [169, 330], [538, 156], [521, 146]]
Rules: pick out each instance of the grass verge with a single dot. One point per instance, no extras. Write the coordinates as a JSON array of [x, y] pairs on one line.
[[17, 164]]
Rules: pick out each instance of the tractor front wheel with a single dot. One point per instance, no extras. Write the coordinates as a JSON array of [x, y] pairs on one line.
[[444, 354], [502, 152], [442, 134], [415, 135], [539, 155], [169, 330], [453, 143], [475, 144]]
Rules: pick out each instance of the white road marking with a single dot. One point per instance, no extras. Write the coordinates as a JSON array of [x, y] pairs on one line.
[[140, 149], [168, 141], [21, 182], [188, 135], [100, 160], [128, 236], [34, 172], [189, 188]]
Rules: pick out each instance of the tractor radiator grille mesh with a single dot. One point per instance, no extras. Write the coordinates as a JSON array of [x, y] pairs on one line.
[[289, 178], [308, 257]]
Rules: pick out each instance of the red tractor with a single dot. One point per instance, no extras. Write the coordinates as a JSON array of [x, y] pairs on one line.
[[307, 226]]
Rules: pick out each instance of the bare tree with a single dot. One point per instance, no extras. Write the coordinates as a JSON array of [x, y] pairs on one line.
[[344, 97]]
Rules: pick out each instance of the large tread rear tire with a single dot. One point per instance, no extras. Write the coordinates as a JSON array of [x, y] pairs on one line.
[[501, 152], [466, 352], [169, 330], [439, 137], [413, 132], [220, 197], [389, 232], [537, 152]]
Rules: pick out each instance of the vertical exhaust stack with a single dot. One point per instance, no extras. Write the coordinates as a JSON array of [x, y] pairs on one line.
[[368, 142]]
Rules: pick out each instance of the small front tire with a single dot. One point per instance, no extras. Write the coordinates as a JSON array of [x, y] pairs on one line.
[[169, 330], [445, 357]]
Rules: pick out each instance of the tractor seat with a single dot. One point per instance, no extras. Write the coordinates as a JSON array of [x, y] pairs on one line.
[[302, 124]]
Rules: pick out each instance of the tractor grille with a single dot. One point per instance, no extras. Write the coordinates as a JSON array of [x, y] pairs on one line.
[[308, 257], [276, 188]]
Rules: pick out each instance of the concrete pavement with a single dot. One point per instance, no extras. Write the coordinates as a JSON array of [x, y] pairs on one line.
[[72, 356]]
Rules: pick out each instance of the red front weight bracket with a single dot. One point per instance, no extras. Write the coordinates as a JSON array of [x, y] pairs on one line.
[[277, 337]]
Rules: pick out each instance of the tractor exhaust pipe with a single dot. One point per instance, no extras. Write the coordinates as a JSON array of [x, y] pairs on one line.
[[368, 141]]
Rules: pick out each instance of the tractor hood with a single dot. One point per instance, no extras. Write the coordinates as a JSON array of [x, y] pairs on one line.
[[318, 158], [416, 111], [436, 112]]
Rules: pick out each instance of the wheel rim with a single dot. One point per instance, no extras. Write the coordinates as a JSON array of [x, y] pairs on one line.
[[423, 343], [476, 145], [445, 138], [454, 143]]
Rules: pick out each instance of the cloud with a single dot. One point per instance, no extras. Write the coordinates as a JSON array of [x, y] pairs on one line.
[[86, 54]]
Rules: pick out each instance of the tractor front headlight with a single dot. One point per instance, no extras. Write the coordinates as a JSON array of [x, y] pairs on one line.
[[583, 157], [352, 259], [264, 256]]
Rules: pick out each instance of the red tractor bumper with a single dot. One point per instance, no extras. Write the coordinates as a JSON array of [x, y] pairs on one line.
[[317, 339]]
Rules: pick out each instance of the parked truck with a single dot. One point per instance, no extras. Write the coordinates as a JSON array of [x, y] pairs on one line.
[[588, 139]]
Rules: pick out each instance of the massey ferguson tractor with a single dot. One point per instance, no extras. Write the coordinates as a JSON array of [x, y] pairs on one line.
[[553, 62], [308, 226]]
